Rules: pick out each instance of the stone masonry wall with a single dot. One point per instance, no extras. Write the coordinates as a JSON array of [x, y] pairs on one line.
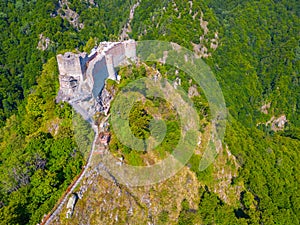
[[83, 75]]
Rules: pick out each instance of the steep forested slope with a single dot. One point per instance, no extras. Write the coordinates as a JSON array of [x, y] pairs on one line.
[[256, 62], [22, 23], [38, 154], [252, 48], [258, 58]]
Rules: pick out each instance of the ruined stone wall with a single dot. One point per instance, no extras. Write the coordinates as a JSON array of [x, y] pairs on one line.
[[130, 49], [69, 64], [117, 53], [81, 74], [110, 66], [100, 74], [97, 73]]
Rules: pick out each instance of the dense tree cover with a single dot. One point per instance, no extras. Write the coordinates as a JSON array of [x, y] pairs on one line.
[[139, 121], [175, 21], [269, 44], [269, 171], [257, 62], [211, 211], [140, 118], [38, 153]]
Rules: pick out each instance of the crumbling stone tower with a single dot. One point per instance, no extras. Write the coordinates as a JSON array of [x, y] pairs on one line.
[[71, 70], [72, 64], [85, 75]]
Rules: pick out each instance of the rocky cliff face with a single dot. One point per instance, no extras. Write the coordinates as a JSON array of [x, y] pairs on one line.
[[107, 202]]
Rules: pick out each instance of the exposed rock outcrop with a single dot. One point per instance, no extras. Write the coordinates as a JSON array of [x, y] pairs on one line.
[[107, 202], [65, 12], [264, 109], [127, 28], [277, 123], [44, 42]]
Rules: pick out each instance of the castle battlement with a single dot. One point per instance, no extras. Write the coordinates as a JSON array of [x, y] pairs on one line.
[[82, 74]]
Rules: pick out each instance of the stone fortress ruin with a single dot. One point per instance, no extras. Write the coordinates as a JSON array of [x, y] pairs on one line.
[[82, 76]]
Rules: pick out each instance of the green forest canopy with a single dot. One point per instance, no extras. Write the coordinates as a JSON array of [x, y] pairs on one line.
[[257, 62]]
